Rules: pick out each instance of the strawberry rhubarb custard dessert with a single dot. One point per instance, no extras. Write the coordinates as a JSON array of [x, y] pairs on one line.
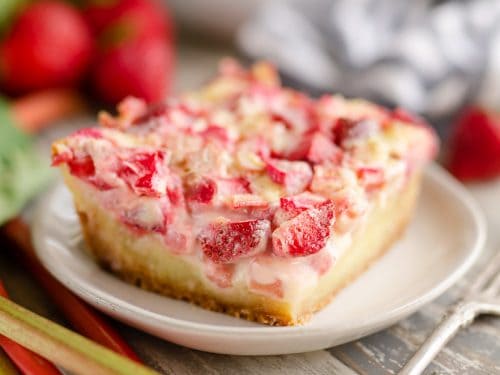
[[246, 197]]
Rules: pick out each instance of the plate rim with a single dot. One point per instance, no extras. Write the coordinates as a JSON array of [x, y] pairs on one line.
[[97, 296]]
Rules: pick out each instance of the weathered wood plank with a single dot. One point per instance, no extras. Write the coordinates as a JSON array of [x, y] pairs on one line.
[[169, 358]]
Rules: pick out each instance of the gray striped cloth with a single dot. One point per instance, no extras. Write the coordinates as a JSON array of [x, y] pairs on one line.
[[432, 57]]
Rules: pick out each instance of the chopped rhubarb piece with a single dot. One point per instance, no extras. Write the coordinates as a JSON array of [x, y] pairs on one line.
[[201, 190], [306, 233], [295, 176], [474, 151], [371, 178], [224, 242], [322, 150]]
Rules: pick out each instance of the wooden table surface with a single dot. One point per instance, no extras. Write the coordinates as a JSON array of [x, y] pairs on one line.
[[475, 350]]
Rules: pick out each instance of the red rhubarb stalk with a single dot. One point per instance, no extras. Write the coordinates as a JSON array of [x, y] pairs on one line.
[[27, 361], [81, 316]]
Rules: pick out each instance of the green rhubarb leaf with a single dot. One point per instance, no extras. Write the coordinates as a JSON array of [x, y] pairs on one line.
[[9, 11], [23, 173]]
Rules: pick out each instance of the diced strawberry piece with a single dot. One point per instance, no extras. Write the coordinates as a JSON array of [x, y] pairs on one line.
[[82, 167], [346, 129], [201, 190], [371, 178], [306, 233], [322, 150], [139, 170], [295, 176], [224, 242], [474, 151], [293, 205]]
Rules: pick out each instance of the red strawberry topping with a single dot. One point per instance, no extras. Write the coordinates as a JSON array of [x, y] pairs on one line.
[[295, 176], [224, 242], [293, 205], [474, 151], [322, 150], [139, 171], [306, 233], [82, 167], [201, 190]]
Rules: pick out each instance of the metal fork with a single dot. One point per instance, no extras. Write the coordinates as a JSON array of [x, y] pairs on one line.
[[483, 297]]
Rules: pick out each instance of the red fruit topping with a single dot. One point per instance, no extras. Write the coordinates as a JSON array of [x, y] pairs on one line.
[[295, 176], [371, 178], [346, 129], [201, 190], [306, 233], [139, 170], [322, 150], [474, 151], [224, 242], [49, 45], [293, 205], [82, 167]]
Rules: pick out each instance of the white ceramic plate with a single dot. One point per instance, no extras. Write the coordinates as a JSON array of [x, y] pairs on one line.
[[441, 243]]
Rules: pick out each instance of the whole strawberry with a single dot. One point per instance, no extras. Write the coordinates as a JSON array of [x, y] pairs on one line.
[[474, 150], [141, 17], [140, 67], [49, 45], [135, 50]]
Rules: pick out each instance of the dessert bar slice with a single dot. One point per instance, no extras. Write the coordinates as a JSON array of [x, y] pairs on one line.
[[246, 197]]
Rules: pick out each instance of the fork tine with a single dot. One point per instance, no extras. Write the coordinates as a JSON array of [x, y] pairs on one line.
[[494, 286], [484, 277]]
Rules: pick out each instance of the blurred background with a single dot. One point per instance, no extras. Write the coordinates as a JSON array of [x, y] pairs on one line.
[[437, 58]]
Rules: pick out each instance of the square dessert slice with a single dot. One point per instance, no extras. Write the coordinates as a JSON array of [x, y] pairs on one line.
[[246, 197]]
